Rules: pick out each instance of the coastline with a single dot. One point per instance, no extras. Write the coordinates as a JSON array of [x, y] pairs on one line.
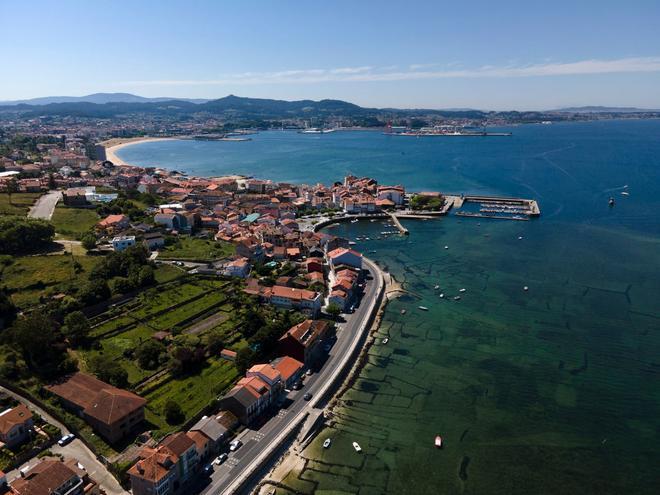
[[115, 144], [293, 458]]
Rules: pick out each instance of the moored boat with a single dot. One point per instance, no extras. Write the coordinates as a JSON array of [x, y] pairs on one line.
[[357, 447], [423, 308], [438, 441], [327, 443]]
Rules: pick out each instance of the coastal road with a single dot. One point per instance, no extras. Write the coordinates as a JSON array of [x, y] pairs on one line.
[[260, 443], [74, 450], [45, 205]]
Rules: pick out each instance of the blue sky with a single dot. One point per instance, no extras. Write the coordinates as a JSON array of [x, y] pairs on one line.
[[435, 54]]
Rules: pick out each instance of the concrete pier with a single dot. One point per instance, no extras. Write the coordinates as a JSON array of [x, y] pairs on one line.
[[398, 225]]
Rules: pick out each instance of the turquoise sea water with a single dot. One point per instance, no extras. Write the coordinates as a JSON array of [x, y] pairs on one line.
[[553, 390]]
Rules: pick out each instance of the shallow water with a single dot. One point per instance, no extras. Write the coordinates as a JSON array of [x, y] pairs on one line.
[[551, 390]]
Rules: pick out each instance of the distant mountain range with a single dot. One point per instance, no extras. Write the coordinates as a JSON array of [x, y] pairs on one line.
[[98, 98], [597, 109], [254, 110]]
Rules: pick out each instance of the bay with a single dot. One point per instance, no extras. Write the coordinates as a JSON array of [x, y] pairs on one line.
[[551, 390]]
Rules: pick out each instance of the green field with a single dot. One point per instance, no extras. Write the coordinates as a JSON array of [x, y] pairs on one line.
[[166, 307], [72, 222], [20, 203], [190, 248], [192, 393], [29, 277]]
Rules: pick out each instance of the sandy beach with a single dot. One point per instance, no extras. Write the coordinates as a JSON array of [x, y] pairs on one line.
[[112, 145]]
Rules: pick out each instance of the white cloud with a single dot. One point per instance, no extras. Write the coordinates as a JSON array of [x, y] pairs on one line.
[[419, 72]]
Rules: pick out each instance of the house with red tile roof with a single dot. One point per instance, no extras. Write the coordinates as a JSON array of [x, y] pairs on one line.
[[290, 369], [52, 476], [305, 341], [112, 412], [113, 223], [15, 425], [344, 256]]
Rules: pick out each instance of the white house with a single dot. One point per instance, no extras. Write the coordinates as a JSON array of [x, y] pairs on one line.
[[393, 193], [237, 268], [343, 256], [122, 242]]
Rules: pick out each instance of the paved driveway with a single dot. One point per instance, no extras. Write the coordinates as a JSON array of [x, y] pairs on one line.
[[45, 205]]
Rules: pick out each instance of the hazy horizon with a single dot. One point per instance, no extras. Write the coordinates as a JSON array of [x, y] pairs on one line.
[[375, 54]]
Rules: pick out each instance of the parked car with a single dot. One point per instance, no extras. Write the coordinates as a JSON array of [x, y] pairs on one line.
[[220, 459], [309, 372], [234, 445], [66, 439], [297, 385], [208, 469], [307, 396]]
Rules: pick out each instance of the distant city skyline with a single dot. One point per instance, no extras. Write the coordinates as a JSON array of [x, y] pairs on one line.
[[375, 54]]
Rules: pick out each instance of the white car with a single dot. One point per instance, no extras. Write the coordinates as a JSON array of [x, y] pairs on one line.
[[234, 445], [220, 459], [66, 439]]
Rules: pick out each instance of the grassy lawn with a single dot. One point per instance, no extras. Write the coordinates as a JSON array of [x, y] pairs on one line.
[[167, 273], [190, 248], [115, 346], [192, 393], [20, 203], [30, 277], [72, 222]]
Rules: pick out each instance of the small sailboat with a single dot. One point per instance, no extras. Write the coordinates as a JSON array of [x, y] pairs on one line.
[[525, 288], [611, 202], [438, 441], [457, 298], [357, 447], [436, 287], [385, 340], [446, 247], [520, 238], [462, 290], [327, 443], [423, 308], [625, 193]]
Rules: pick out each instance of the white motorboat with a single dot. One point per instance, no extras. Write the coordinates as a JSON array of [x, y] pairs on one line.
[[386, 340], [462, 290], [357, 447], [423, 308], [446, 247], [442, 296], [438, 441], [327, 443], [436, 287], [457, 298]]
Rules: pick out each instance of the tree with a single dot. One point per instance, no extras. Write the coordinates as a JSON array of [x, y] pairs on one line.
[[148, 354], [7, 309], [24, 235], [333, 310], [94, 291], [173, 413], [214, 342], [244, 359], [106, 369], [51, 181], [88, 241], [12, 187], [36, 335], [76, 328]]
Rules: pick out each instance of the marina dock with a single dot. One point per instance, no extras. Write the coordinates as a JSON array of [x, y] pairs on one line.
[[499, 208]]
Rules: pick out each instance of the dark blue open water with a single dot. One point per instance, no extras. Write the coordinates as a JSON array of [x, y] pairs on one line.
[[553, 390]]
